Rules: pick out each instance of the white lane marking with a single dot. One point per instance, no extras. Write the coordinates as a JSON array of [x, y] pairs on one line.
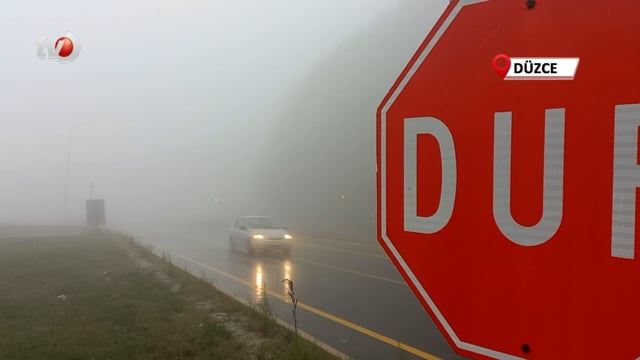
[[338, 268]]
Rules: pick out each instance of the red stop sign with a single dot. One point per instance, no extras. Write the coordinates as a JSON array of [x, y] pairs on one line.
[[510, 207]]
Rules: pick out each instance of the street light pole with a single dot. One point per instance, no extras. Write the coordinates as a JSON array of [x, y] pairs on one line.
[[66, 178]]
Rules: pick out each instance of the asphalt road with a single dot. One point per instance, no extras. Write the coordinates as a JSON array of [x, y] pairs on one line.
[[350, 295]]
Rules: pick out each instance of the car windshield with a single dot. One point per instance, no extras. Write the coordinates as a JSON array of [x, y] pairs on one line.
[[262, 223]]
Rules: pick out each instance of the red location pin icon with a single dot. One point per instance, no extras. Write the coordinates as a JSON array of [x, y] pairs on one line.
[[501, 64]]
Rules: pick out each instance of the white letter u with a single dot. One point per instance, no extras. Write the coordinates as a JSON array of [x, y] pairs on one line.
[[552, 183]]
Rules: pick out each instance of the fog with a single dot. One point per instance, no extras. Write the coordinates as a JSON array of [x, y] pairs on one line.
[[197, 112]]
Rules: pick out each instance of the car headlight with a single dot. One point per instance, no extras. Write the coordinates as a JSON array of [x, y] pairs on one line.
[[258, 236], [287, 236]]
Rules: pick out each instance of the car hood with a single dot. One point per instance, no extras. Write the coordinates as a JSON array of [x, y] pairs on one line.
[[270, 233]]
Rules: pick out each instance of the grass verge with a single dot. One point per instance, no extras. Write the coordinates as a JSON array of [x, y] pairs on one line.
[[101, 296]]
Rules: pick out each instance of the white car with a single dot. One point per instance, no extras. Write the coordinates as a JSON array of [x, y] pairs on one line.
[[258, 233]]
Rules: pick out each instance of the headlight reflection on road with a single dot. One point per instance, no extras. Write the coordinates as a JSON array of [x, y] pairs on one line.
[[287, 275], [287, 270], [259, 283]]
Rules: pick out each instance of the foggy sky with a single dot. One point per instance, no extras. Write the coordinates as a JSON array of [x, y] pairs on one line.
[[327, 168], [170, 105]]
